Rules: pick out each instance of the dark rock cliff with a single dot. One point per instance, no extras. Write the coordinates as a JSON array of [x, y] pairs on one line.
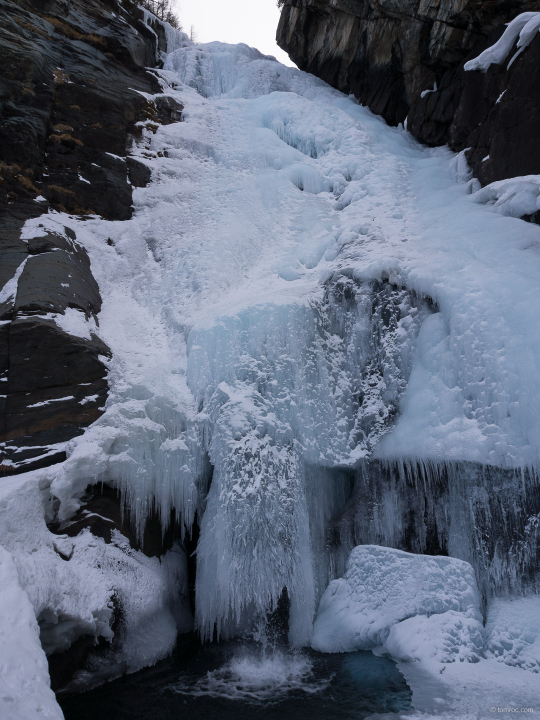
[[389, 52], [495, 115], [72, 74]]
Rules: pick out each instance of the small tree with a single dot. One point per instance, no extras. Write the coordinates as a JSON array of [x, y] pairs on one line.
[[162, 9], [173, 20], [193, 35]]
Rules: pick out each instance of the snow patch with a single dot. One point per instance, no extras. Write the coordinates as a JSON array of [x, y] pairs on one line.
[[9, 291], [75, 322], [427, 92], [523, 28]]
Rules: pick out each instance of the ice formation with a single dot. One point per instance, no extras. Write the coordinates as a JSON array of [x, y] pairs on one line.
[[523, 28], [321, 337]]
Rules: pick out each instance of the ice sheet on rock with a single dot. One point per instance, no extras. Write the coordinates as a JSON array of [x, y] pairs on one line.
[[25, 689], [513, 631], [524, 27], [382, 587]]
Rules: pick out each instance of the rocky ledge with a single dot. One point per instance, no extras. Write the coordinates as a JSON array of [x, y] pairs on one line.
[[404, 60], [74, 84]]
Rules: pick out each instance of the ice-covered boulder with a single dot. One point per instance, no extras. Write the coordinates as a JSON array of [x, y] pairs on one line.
[[383, 587]]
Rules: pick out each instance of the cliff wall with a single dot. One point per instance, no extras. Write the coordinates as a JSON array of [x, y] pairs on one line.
[[388, 53], [72, 83]]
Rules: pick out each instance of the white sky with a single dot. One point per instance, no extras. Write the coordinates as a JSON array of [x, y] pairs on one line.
[[253, 22]]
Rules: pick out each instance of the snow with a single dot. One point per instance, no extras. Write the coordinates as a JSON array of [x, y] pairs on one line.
[[48, 402], [75, 322], [513, 631], [470, 691], [427, 92], [9, 291], [383, 587], [72, 584], [523, 28], [446, 637], [25, 691], [513, 197]]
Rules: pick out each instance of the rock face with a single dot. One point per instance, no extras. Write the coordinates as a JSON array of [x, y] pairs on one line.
[[388, 53], [72, 83], [495, 114]]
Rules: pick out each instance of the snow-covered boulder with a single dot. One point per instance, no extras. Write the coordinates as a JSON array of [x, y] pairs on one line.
[[25, 690], [513, 631], [414, 605], [77, 586]]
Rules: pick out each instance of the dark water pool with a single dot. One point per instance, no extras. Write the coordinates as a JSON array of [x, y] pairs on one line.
[[236, 682]]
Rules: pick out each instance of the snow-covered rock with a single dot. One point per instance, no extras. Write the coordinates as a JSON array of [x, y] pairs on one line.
[[514, 197], [523, 28], [383, 587], [25, 690], [78, 586]]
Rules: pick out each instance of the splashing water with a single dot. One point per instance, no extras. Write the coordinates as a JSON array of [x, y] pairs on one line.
[[256, 679]]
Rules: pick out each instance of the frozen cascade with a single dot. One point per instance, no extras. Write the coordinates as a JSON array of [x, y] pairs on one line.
[[321, 337], [281, 387]]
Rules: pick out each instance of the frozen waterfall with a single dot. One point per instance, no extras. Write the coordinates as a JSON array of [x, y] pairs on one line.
[[320, 338]]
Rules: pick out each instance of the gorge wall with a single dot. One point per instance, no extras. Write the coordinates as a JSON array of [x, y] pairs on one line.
[[72, 90], [404, 60]]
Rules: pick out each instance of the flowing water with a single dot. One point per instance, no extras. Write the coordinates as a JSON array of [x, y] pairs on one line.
[[234, 680]]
